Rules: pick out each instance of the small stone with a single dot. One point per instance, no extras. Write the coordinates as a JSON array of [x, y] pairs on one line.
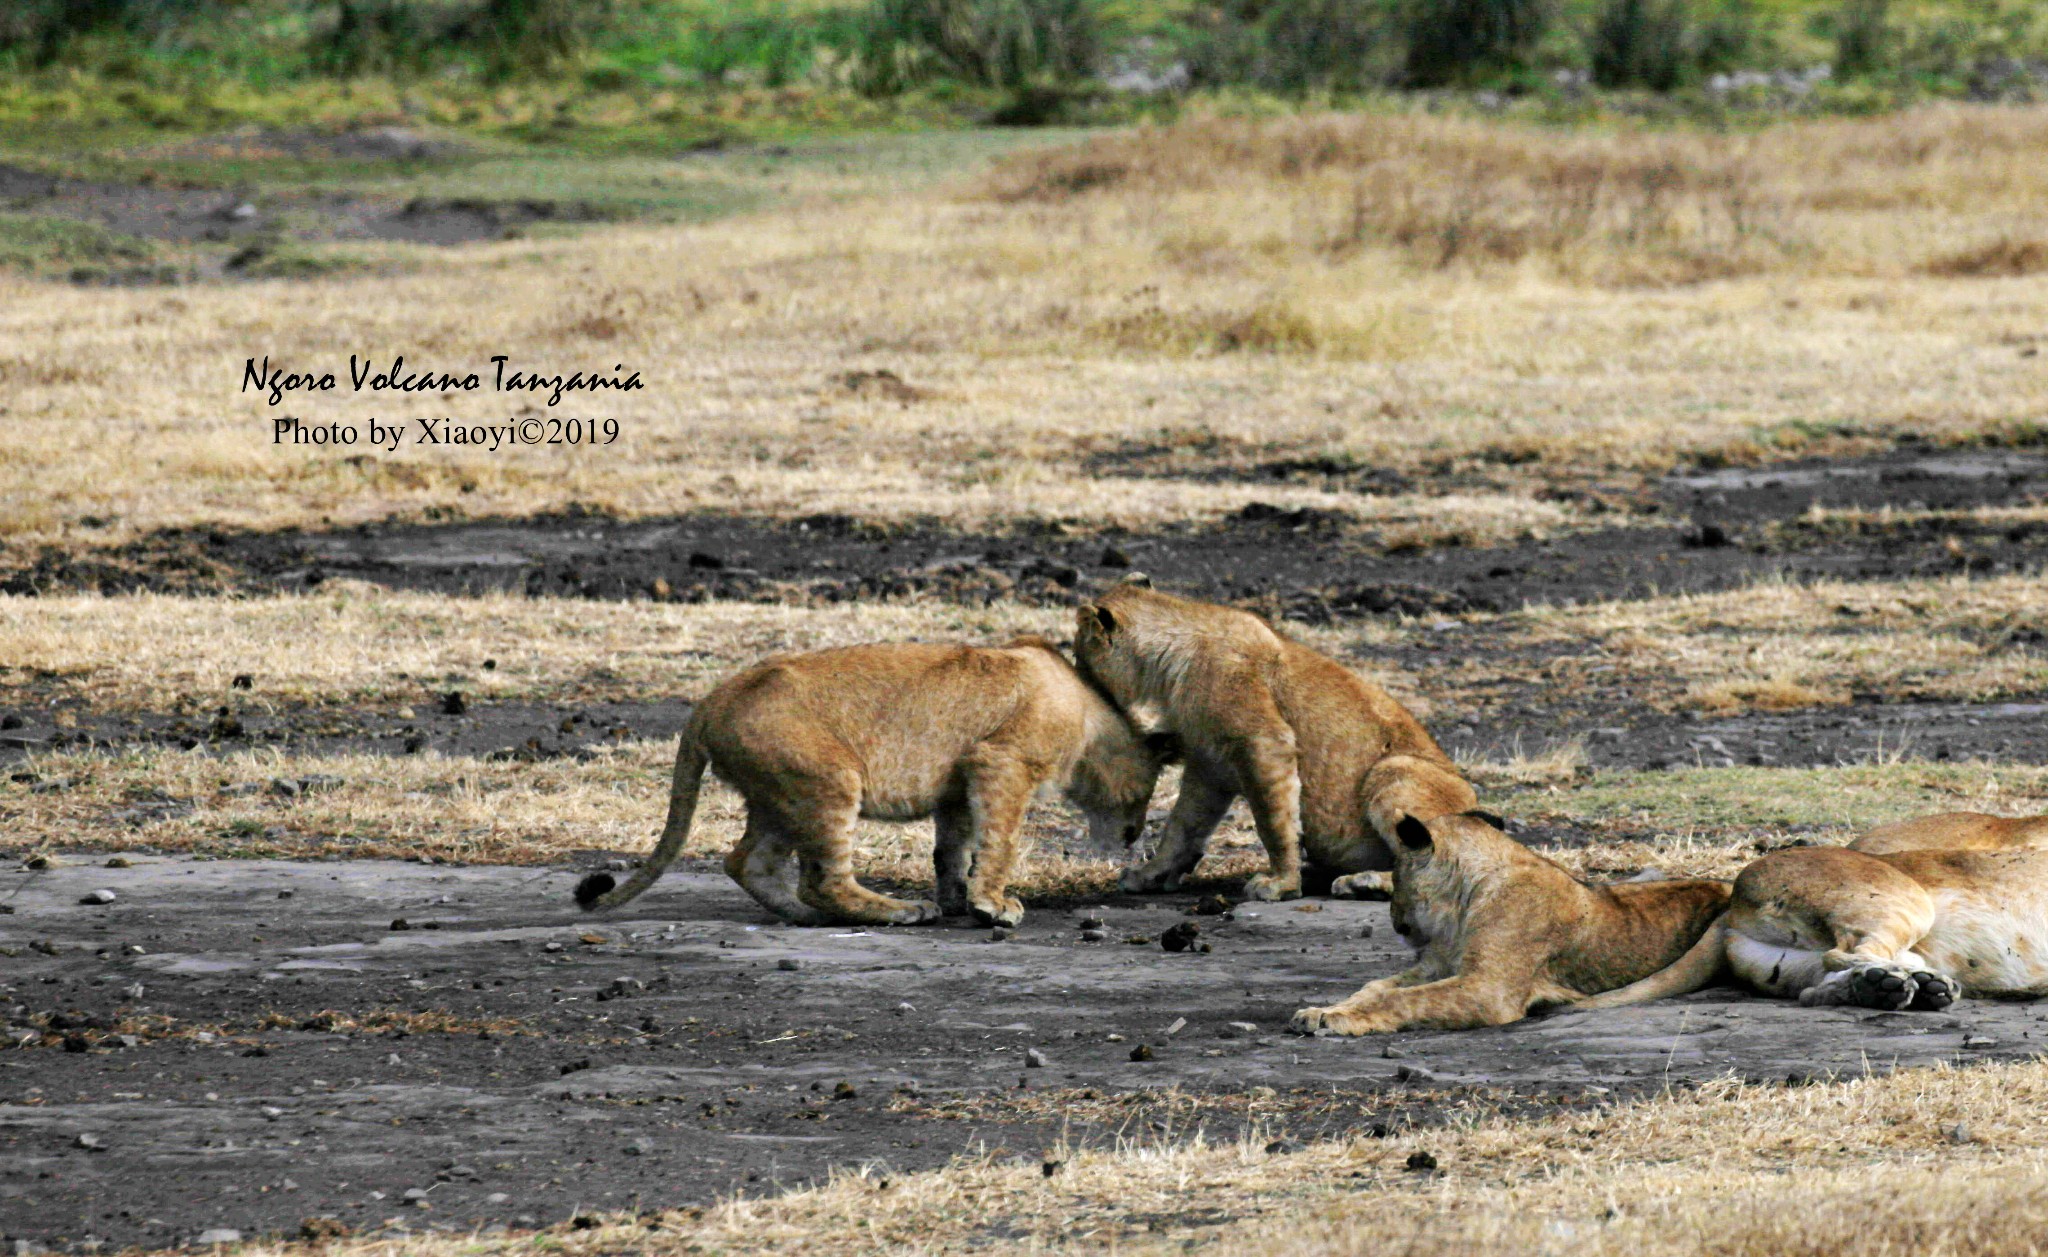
[[592, 940], [1957, 1134], [414, 1196], [120, 862], [1391, 1053], [1179, 1024], [789, 964], [453, 703], [1094, 936], [1113, 557], [400, 923], [1180, 937], [1365, 931], [1414, 1073], [286, 894], [551, 947], [497, 1198], [272, 1112], [323, 1228], [1142, 1052], [1116, 1038], [1419, 1160], [242, 681], [901, 1009], [639, 1148], [92, 1143], [1979, 1041], [1090, 921], [218, 1235], [845, 1091], [1001, 934], [618, 866], [1035, 1059], [1213, 906], [98, 897], [1245, 1027], [1282, 1147], [133, 949], [285, 786]]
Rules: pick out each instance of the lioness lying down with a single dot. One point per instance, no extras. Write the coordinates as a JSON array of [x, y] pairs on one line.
[[1956, 831], [1502, 931], [1907, 929], [899, 732], [1324, 759]]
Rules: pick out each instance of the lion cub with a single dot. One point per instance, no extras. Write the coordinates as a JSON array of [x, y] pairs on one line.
[[1325, 760], [970, 735], [1502, 930], [1911, 928]]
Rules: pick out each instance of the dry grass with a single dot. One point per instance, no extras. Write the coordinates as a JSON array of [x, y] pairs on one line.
[[360, 644], [1775, 646], [1221, 296], [1932, 1162]]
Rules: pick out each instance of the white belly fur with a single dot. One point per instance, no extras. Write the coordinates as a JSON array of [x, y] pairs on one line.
[[1991, 947], [1772, 968]]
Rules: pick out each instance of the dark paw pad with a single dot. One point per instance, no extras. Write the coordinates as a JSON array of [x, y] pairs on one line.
[[1880, 988], [593, 888], [1933, 992]]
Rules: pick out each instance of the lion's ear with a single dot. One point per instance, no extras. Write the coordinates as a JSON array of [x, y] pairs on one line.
[[1413, 834], [1099, 616], [1139, 579], [1479, 814]]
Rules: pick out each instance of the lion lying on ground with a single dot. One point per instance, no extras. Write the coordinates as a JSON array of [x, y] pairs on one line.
[[1956, 831], [1903, 927], [1325, 760], [968, 734], [1503, 931]]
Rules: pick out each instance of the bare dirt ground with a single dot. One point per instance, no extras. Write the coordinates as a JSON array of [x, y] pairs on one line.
[[505, 1061]]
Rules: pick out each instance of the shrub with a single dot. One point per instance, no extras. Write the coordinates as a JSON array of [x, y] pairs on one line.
[[1467, 41], [1011, 44], [1292, 46], [1863, 38]]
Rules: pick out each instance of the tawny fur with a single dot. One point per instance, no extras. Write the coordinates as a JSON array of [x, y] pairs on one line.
[[1903, 929], [1956, 831], [1502, 931], [1325, 760], [968, 735]]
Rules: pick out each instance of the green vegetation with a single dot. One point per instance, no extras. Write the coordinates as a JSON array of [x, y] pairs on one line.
[[58, 246], [655, 71]]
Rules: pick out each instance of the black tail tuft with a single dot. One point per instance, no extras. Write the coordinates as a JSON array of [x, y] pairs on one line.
[[593, 888]]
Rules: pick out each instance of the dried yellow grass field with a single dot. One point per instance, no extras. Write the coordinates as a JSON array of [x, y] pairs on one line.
[[1613, 304], [1943, 1161]]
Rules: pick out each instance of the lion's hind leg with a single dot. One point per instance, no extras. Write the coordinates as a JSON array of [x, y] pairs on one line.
[[765, 865]]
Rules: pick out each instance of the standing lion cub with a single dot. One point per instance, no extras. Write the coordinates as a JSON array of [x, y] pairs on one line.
[[1326, 761], [968, 734]]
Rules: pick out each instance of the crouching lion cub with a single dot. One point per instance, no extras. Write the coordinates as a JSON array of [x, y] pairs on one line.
[[970, 735], [1503, 931], [1325, 760], [1906, 929]]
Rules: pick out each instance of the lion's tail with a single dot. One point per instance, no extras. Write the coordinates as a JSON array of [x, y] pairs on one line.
[[1700, 965], [598, 890]]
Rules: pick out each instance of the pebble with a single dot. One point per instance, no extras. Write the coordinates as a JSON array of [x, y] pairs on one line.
[[639, 1148], [497, 1198], [1180, 937], [1365, 932], [1094, 936], [1001, 934], [551, 947], [1956, 1134], [789, 964], [1419, 1160], [1035, 1059], [1090, 922], [453, 703], [1414, 1073], [1282, 1147], [901, 1009], [415, 1196], [845, 1091], [98, 897], [218, 1235], [92, 1143], [284, 786], [133, 949], [120, 862], [1245, 1027], [1142, 1052]]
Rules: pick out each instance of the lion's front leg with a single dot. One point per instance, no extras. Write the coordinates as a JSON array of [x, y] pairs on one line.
[[1461, 1002], [1196, 813]]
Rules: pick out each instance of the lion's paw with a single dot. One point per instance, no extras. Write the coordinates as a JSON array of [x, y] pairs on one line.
[[915, 912], [1885, 987], [1329, 1021], [1266, 888], [1008, 911], [1148, 881], [1933, 992], [1362, 886]]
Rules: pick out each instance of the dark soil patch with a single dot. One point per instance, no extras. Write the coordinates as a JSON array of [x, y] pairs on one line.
[[203, 215], [1300, 564], [293, 1059]]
